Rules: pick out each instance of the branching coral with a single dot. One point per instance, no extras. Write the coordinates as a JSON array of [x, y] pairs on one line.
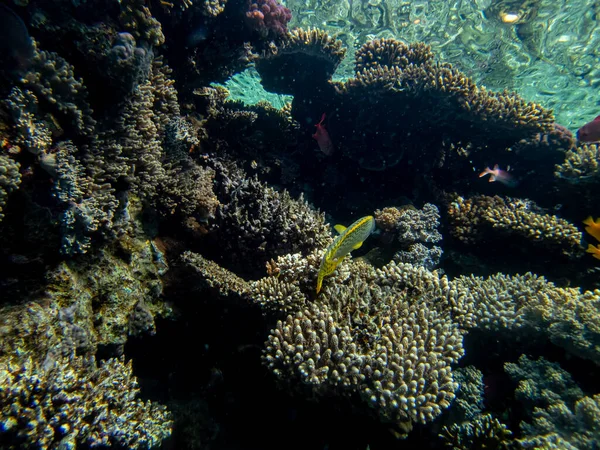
[[10, 178], [562, 416], [478, 218], [367, 335], [580, 164], [566, 316], [71, 401], [411, 228], [255, 223]]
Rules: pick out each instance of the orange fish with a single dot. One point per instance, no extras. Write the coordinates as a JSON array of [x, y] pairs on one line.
[[322, 138], [594, 250], [593, 227]]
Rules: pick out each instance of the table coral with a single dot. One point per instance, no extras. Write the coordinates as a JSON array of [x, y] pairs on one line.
[[309, 59], [481, 217], [425, 102]]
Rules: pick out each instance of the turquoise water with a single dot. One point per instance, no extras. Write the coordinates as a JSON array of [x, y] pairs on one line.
[[367, 225]]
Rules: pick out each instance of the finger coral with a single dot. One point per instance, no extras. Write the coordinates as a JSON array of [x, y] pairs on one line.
[[367, 335]]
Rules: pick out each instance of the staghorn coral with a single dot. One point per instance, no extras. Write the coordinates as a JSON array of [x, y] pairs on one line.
[[10, 178], [479, 218], [561, 416], [367, 335], [72, 401], [299, 50]]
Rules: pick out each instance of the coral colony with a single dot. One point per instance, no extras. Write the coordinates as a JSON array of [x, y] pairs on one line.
[[171, 277]]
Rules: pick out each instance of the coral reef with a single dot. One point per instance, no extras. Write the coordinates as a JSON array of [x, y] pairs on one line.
[[482, 218], [143, 206], [71, 401], [562, 416], [268, 17], [411, 229], [308, 59]]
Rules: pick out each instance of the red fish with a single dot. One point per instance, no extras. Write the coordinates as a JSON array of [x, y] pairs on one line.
[[590, 132], [322, 138]]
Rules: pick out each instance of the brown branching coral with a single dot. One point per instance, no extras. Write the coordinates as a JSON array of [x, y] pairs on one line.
[[137, 18], [485, 432], [474, 219], [568, 317], [255, 223], [580, 164], [71, 401], [303, 59], [390, 53]]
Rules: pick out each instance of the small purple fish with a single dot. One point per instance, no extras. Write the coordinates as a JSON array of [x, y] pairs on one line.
[[590, 132]]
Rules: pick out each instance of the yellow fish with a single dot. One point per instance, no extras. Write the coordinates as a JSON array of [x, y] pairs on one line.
[[595, 251], [349, 239], [593, 227]]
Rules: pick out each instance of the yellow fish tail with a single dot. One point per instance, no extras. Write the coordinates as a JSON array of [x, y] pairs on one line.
[[319, 282]]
